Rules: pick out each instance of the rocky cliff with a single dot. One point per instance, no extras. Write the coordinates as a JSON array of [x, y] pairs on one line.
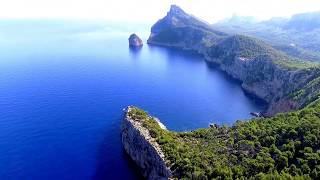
[[285, 146], [264, 71], [142, 147]]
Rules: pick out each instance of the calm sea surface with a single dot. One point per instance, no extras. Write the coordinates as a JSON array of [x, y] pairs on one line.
[[63, 85]]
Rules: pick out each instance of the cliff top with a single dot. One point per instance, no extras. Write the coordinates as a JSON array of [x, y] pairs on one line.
[[144, 121], [275, 147], [176, 17]]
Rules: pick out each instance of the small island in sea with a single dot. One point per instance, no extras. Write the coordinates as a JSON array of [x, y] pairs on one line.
[[283, 144], [135, 41]]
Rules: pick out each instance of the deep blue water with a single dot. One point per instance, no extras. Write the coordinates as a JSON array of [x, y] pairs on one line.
[[63, 86]]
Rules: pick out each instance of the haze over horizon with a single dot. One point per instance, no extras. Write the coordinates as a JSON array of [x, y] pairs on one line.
[[150, 11]]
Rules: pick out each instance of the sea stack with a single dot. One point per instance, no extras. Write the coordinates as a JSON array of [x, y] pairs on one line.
[[135, 41]]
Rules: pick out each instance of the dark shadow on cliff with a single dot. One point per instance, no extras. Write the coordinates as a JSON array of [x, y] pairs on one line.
[[177, 54], [112, 162], [215, 67], [173, 52]]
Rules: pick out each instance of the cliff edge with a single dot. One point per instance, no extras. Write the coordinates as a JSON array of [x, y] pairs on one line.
[[282, 147], [141, 146]]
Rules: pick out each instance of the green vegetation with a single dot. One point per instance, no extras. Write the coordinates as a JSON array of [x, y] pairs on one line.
[[167, 36], [307, 94], [188, 35], [255, 49], [286, 146], [300, 52], [247, 47], [294, 64]]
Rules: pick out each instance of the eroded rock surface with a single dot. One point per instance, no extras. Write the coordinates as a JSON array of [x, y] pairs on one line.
[[143, 149]]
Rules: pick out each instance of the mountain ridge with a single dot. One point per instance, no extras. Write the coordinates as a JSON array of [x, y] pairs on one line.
[[264, 71], [298, 35]]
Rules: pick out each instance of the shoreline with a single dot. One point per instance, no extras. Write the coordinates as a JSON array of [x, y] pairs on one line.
[[254, 97]]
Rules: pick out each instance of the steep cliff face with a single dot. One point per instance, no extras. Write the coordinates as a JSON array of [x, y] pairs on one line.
[[179, 29], [268, 80], [142, 147], [265, 72]]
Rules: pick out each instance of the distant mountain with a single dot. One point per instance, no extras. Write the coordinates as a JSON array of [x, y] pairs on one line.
[[298, 36], [304, 22], [235, 19]]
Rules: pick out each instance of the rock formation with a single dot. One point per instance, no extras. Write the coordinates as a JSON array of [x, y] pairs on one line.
[[135, 41], [143, 149]]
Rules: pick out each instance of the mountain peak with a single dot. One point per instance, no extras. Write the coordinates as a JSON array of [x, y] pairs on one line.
[[178, 18], [175, 10]]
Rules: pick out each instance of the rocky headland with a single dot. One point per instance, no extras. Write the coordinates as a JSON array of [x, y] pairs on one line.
[[265, 72], [142, 147]]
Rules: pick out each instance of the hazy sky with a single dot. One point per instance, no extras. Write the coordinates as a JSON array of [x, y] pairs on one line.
[[151, 10]]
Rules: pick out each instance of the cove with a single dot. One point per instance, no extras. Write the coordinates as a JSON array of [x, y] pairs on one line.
[[63, 86]]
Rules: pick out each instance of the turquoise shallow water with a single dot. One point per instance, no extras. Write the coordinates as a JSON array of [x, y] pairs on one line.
[[63, 85]]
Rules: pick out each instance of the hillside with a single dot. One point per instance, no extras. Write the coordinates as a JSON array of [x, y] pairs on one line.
[[265, 72], [179, 29], [282, 147], [298, 36]]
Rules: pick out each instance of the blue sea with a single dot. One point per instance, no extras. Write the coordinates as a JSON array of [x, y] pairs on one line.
[[64, 85]]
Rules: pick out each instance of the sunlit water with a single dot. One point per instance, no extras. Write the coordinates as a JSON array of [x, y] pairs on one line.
[[63, 86]]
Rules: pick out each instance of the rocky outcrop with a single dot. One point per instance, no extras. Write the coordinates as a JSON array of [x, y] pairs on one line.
[[143, 149], [264, 71], [135, 41], [179, 29]]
